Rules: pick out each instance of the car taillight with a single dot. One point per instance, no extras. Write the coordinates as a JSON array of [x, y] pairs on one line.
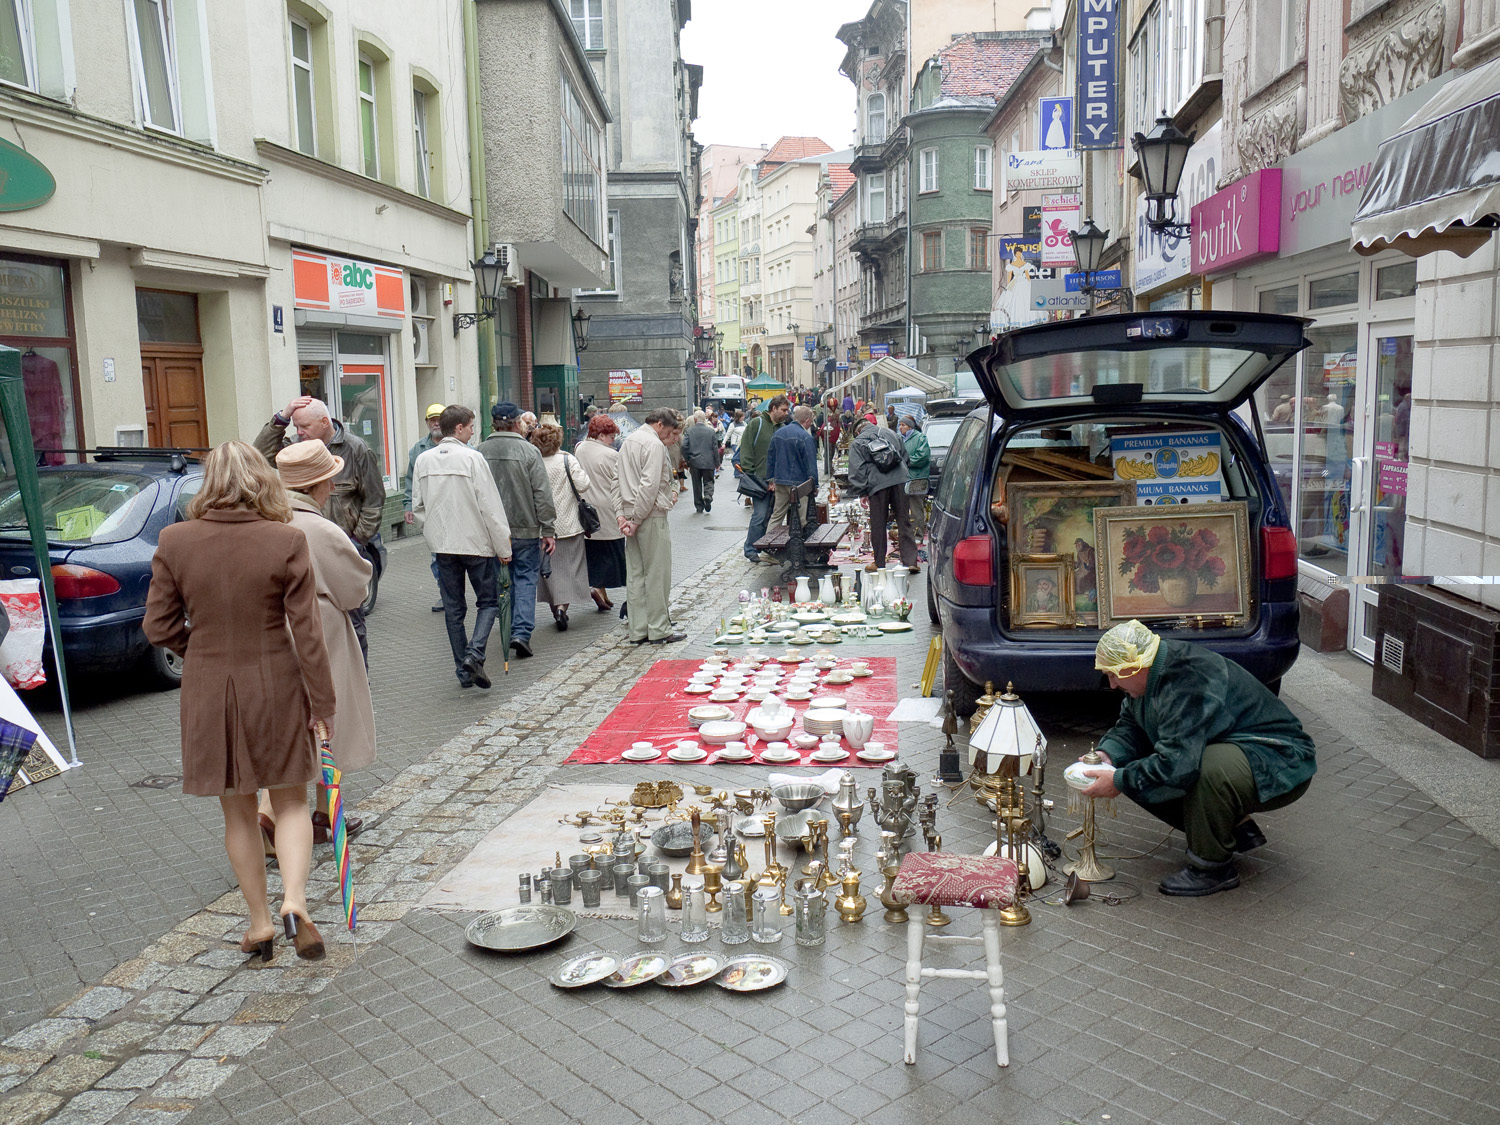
[[72, 581], [974, 561], [1278, 553]]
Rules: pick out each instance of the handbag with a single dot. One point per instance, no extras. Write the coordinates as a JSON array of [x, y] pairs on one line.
[[883, 456], [588, 515], [751, 486]]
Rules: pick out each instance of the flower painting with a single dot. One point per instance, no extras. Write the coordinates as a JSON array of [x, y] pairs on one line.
[[1187, 561]]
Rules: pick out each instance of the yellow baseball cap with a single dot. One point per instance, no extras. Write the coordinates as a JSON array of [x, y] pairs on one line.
[[435, 409]]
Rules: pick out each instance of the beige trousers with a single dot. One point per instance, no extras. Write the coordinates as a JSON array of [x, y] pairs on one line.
[[648, 580]]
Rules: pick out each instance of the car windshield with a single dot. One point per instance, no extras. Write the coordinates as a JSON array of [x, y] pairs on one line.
[[940, 432], [81, 505]]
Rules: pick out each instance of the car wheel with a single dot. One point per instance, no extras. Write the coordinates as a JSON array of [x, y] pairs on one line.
[[165, 667], [932, 610], [965, 693]]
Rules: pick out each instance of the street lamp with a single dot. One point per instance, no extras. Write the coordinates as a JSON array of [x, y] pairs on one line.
[[487, 270], [581, 320], [1088, 248], [981, 333], [1163, 153]]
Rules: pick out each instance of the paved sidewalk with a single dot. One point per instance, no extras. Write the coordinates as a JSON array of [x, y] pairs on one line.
[[1353, 977]]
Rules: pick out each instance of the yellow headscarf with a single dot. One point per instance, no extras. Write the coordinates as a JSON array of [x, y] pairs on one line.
[[1126, 649]]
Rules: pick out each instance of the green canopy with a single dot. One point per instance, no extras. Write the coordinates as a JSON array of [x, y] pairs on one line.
[[765, 383], [23, 457]]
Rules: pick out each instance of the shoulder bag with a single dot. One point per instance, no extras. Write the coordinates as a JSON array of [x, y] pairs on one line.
[[588, 515]]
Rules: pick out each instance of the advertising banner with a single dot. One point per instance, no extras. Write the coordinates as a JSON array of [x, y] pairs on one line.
[[1098, 75], [1239, 223], [1053, 296], [1040, 168], [626, 385], [325, 283], [1055, 118], [1060, 215], [1176, 468]]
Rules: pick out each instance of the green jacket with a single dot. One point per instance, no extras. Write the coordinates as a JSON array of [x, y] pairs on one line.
[[521, 477], [919, 456], [1195, 697], [755, 445]]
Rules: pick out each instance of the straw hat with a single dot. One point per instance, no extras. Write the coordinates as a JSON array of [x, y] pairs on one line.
[[307, 463]]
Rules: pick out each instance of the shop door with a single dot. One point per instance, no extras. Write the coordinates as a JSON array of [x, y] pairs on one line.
[[364, 394], [176, 413], [1377, 529]]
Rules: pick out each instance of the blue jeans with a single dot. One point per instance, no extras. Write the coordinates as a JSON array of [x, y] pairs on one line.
[[760, 516], [525, 569], [481, 572]]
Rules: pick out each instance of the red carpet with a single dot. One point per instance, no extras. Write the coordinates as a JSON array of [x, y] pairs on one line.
[[656, 711]]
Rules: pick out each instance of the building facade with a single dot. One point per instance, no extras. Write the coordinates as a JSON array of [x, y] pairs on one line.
[[789, 193], [843, 214], [725, 275], [752, 307]]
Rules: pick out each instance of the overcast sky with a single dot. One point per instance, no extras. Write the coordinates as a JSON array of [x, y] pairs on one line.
[[770, 69]]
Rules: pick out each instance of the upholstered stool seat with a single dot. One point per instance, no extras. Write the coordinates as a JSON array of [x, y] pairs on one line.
[[987, 883]]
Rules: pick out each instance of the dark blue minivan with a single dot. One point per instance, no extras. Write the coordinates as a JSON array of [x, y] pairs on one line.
[[1140, 411]]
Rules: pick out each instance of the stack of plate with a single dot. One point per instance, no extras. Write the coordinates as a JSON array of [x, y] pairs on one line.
[[712, 713], [824, 720]]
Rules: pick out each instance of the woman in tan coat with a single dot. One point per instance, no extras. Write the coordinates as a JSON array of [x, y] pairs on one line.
[[251, 694], [308, 469]]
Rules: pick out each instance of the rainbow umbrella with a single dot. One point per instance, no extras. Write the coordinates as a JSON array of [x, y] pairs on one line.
[[331, 778]]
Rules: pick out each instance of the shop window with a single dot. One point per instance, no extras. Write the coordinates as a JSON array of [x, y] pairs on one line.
[[1324, 433], [1283, 300], [1330, 292], [1399, 280], [34, 320], [362, 391]]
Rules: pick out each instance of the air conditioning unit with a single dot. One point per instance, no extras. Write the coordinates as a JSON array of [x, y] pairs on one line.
[[417, 287], [421, 332], [510, 266]]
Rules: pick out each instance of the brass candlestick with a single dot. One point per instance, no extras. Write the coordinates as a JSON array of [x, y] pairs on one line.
[[1087, 866], [1013, 821], [827, 878], [846, 823], [894, 911], [850, 904], [774, 874], [696, 865], [712, 885], [786, 909], [935, 915]]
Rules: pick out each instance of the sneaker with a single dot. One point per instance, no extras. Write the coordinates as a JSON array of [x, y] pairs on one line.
[[475, 668], [1195, 882], [1248, 836], [522, 649]]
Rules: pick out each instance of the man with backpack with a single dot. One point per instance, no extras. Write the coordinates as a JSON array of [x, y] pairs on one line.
[[878, 475]]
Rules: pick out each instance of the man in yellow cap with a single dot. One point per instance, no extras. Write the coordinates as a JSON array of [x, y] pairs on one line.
[[1201, 744], [434, 435]]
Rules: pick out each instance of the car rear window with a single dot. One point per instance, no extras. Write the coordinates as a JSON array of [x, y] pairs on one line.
[[963, 461], [82, 505]]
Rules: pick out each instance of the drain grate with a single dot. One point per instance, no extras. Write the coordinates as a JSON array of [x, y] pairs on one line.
[[158, 781]]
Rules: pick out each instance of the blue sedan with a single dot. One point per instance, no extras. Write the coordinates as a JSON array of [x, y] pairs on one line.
[[103, 520]]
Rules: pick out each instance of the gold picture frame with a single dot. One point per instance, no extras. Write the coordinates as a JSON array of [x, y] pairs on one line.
[[1041, 591], [1182, 561], [1056, 517]]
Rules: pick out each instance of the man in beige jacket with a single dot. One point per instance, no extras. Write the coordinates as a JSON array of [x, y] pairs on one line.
[[648, 489], [454, 497]]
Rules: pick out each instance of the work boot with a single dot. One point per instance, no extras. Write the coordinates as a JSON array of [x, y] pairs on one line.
[[1248, 836], [1197, 878]]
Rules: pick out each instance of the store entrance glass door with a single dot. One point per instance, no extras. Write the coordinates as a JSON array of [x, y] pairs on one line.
[[364, 395], [1380, 505]]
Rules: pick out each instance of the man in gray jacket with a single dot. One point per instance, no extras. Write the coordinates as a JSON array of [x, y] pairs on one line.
[[527, 497], [877, 475], [700, 449]]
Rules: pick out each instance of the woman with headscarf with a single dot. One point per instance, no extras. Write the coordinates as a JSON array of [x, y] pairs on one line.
[[568, 580], [233, 592], [605, 549], [307, 469]]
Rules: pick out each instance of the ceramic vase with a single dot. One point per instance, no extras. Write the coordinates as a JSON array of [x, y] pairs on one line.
[[896, 578], [803, 593], [826, 593]]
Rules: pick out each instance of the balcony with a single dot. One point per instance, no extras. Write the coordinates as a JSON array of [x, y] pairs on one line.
[[875, 238]]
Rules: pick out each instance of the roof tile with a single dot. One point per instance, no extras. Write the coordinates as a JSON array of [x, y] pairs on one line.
[[977, 67]]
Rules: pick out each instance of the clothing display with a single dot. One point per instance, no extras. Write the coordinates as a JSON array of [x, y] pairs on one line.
[[44, 406]]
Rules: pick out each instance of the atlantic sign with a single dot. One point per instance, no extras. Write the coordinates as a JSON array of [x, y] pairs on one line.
[[1098, 124], [1239, 223]]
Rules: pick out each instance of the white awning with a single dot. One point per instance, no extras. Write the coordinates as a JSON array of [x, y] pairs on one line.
[[899, 373], [1436, 181]]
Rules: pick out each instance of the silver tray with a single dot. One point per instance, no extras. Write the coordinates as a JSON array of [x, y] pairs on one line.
[[677, 838], [688, 969], [521, 927], [752, 973], [590, 968], [638, 968]]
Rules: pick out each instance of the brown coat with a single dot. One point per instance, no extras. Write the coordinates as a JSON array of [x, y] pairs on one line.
[[343, 575], [248, 691]]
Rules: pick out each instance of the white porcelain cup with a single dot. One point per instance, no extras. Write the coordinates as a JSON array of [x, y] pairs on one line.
[[777, 747], [642, 746], [861, 666], [687, 746], [875, 747], [734, 747]]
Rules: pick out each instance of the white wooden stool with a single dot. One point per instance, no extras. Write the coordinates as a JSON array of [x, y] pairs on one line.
[[986, 883]]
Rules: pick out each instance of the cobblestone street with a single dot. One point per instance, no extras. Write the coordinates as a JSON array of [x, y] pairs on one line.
[[1351, 978]]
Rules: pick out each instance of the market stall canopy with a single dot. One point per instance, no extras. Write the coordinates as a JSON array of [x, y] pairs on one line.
[[1436, 182], [901, 374], [906, 392]]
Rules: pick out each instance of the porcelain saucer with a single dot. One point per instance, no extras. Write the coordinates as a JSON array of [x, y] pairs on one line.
[[634, 755], [875, 755], [678, 755]]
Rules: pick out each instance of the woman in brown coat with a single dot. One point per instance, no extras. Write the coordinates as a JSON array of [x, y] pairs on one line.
[[225, 584]]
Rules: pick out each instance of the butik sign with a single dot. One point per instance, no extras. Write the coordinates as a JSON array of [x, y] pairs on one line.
[[1098, 124], [324, 283], [1161, 257], [1060, 216], [1239, 223], [1026, 171]]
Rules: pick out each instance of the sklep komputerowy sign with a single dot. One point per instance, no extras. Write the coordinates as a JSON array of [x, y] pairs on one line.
[[1098, 123], [1239, 223]]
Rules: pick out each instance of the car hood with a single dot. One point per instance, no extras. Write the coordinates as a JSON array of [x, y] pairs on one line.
[[1213, 359]]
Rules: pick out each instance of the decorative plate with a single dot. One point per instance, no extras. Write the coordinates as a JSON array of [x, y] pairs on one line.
[[860, 674], [634, 755], [895, 626], [849, 619], [698, 689], [636, 969], [875, 755], [691, 968], [809, 617], [680, 755], [752, 973], [792, 657], [801, 640], [521, 927], [587, 969], [828, 702]]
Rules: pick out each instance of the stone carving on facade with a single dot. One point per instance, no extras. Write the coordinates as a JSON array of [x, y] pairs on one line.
[[1270, 136], [1395, 62]]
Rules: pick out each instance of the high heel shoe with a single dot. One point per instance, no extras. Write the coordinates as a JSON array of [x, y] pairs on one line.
[[264, 948], [303, 935], [601, 600]]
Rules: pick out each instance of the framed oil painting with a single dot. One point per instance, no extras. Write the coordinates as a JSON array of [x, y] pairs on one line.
[[1041, 590], [1185, 561], [1056, 517]]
